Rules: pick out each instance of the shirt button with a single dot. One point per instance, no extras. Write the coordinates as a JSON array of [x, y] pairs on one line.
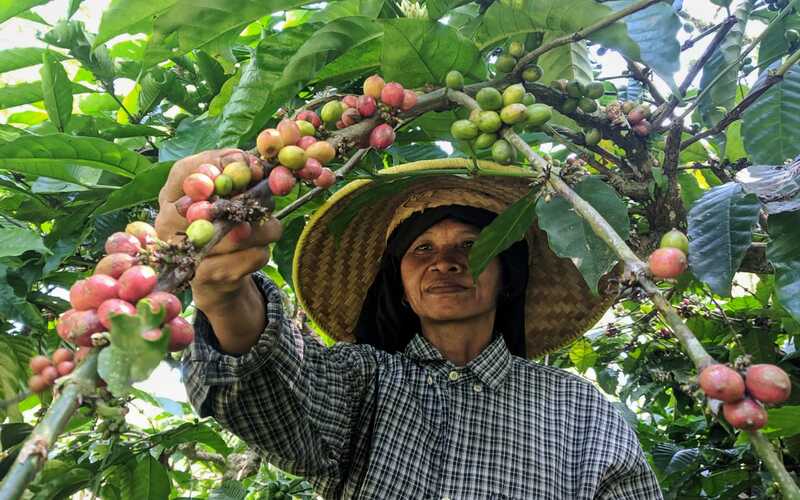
[[454, 375], [477, 387], [430, 380]]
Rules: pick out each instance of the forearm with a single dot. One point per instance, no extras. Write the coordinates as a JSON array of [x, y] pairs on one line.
[[237, 319]]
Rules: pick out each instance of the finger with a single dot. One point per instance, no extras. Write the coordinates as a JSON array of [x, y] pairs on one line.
[[173, 189], [229, 269], [169, 222], [263, 234]]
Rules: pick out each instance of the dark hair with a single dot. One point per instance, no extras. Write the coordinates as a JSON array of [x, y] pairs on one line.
[[389, 325]]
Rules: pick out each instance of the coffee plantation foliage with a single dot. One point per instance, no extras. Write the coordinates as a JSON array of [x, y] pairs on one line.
[[85, 149]]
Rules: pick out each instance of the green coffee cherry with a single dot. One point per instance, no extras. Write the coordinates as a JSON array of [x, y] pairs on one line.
[[200, 232], [505, 63], [538, 114], [595, 90], [532, 73], [485, 140], [489, 98], [502, 152], [587, 105], [464, 130], [454, 80]]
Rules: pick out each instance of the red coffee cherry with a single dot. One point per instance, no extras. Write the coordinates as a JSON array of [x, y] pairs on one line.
[[92, 291], [745, 414], [123, 243], [39, 363], [111, 307], [393, 94], [198, 187], [666, 263], [768, 383], [115, 264], [181, 333], [723, 383], [137, 282], [170, 303]]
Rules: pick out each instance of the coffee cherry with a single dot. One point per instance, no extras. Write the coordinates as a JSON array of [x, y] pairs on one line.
[[485, 140], [642, 129], [78, 326], [516, 49], [592, 137], [532, 73], [464, 130], [170, 304], [181, 333], [268, 143], [223, 186], [326, 178], [256, 170], [454, 80], [409, 100], [349, 101], [240, 173], [635, 116], [293, 157], [575, 89], [570, 105], [366, 105], [239, 233], [587, 105], [289, 132], [39, 363], [382, 136], [667, 263], [474, 116], [65, 368], [675, 239], [198, 187], [628, 106], [505, 63], [199, 234], [489, 121], [310, 117], [528, 99], [182, 205], [281, 181], [152, 335], [92, 291], [489, 99], [745, 414], [306, 141], [123, 243], [595, 90], [144, 232], [331, 111], [139, 281], [513, 114], [37, 384], [350, 117], [310, 170], [306, 129], [112, 307], [721, 382], [200, 210], [49, 374], [373, 86], [538, 114], [503, 152], [768, 383], [61, 354], [322, 151], [392, 95], [208, 169], [513, 94]]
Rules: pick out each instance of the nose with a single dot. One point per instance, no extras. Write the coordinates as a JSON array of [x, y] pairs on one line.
[[449, 260]]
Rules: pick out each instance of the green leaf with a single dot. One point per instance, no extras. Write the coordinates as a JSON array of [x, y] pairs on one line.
[[720, 231], [69, 158], [783, 422], [783, 254], [582, 355], [506, 229], [570, 61], [128, 16], [57, 91], [17, 240], [283, 251], [365, 58], [27, 93], [192, 433], [143, 188], [73, 7], [570, 236], [228, 490], [723, 93], [193, 135], [769, 124], [15, 352], [23, 57], [347, 8], [608, 380], [152, 481], [419, 51], [774, 45], [211, 70], [11, 8], [153, 90]]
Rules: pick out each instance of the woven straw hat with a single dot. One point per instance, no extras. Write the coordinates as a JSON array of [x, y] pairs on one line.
[[338, 253]]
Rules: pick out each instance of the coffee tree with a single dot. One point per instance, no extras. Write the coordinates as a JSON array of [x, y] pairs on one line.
[[687, 191]]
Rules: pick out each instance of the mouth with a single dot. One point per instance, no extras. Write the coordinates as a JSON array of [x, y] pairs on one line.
[[441, 288]]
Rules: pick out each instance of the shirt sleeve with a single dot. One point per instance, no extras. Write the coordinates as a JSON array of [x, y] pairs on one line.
[[294, 400]]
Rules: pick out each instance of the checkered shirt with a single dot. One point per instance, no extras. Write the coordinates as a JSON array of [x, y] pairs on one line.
[[362, 423]]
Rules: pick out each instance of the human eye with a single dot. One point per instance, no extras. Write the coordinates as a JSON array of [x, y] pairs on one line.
[[468, 243], [422, 247]]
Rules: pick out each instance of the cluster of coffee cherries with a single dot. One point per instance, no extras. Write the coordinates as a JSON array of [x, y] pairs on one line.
[[47, 370], [579, 95], [294, 145], [121, 280], [669, 260], [636, 116], [743, 397], [509, 56], [498, 110]]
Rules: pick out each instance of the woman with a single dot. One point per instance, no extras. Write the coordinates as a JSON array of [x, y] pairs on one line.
[[433, 396]]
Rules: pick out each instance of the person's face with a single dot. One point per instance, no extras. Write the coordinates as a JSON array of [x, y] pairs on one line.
[[437, 283]]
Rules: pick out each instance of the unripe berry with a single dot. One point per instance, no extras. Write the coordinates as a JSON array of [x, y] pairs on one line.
[[505, 63], [721, 382], [306, 141], [37, 384], [454, 80], [331, 111], [464, 130], [373, 86], [311, 170], [310, 117], [240, 174], [223, 186], [112, 307], [144, 232], [349, 101], [65, 368], [513, 94], [183, 204], [289, 131], [366, 105], [306, 129], [39, 363], [92, 291], [516, 49], [139, 281], [212, 171], [667, 263], [488, 121], [675, 239], [123, 243], [513, 114], [532, 73], [293, 157], [322, 151], [181, 333], [768, 383], [281, 181], [62, 354], [538, 114], [166, 301], [409, 100], [240, 232], [268, 143], [392, 95], [115, 264], [200, 210], [199, 233], [745, 414], [350, 117], [78, 326], [198, 187], [382, 136]]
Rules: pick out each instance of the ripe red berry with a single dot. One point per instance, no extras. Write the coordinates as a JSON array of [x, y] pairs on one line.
[[137, 282], [208, 169], [198, 187], [49, 374], [200, 210], [115, 264], [281, 181], [366, 105], [289, 132], [409, 100], [351, 116], [170, 303], [723, 383], [123, 243], [666, 263], [183, 204], [350, 101], [111, 307], [325, 179], [382, 136], [310, 117], [144, 232], [39, 363], [311, 170], [37, 384], [62, 354], [181, 334], [65, 368], [256, 170], [92, 291], [745, 414], [768, 383], [393, 94], [306, 141]]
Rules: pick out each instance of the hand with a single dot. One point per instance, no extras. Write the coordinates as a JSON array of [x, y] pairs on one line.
[[223, 274]]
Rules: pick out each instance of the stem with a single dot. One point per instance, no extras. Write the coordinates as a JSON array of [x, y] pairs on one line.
[[581, 34], [774, 464], [34, 452]]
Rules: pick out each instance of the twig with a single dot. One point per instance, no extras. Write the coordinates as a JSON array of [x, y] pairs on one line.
[[638, 73], [22, 396], [133, 119], [688, 44]]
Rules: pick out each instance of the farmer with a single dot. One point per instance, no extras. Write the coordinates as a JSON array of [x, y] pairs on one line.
[[431, 395]]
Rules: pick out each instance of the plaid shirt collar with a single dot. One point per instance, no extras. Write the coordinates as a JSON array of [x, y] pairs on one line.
[[491, 366]]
